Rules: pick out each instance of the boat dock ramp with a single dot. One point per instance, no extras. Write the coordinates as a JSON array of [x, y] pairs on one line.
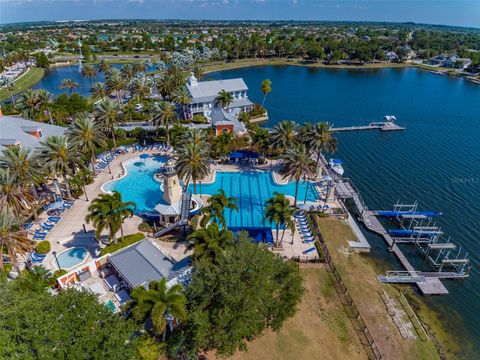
[[416, 228], [382, 126]]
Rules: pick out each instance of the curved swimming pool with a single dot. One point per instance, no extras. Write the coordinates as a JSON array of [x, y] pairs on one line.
[[71, 257]]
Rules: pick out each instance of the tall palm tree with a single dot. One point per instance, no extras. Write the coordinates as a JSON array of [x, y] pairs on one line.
[[266, 88], [198, 72], [320, 139], [223, 99], [43, 98], [115, 84], [27, 103], [139, 66], [215, 211], [69, 84], [104, 66], [107, 116], [192, 163], [283, 135], [59, 158], [166, 86], [14, 241], [296, 165], [99, 90], [140, 87], [182, 97], [9, 85], [164, 114], [22, 165], [159, 303], [13, 197], [86, 136], [195, 136], [210, 242], [128, 71], [278, 211], [89, 72], [108, 211]]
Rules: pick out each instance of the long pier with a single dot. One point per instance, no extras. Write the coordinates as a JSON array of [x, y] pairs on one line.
[[382, 126], [427, 284]]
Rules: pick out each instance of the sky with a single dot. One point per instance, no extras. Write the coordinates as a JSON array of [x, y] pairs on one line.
[[444, 12]]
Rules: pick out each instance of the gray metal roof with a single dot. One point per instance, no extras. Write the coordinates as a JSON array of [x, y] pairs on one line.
[[15, 128], [223, 117], [206, 91], [143, 262]]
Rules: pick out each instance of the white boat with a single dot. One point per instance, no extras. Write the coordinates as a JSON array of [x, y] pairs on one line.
[[336, 165]]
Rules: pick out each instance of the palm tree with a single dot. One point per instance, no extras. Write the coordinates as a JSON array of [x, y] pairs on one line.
[[14, 242], [164, 114], [215, 211], [278, 211], [192, 163], [198, 72], [159, 303], [59, 158], [140, 88], [166, 86], [27, 103], [89, 72], [69, 84], [13, 197], [115, 84], [24, 168], [127, 71], [43, 98], [99, 90], [223, 99], [320, 139], [296, 165], [139, 66], [104, 66], [210, 243], [108, 115], [87, 137], [108, 211], [266, 88], [9, 85], [283, 135], [195, 136], [182, 97]]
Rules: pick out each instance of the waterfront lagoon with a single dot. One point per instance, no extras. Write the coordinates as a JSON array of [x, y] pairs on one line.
[[435, 161]]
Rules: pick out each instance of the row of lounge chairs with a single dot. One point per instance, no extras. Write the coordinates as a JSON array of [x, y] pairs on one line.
[[304, 227], [54, 211]]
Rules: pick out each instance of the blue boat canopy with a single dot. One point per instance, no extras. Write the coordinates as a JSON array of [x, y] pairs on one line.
[[337, 161]]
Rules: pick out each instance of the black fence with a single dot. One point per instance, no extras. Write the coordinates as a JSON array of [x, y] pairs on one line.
[[356, 319]]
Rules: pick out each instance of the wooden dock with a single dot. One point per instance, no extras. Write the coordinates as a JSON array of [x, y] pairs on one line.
[[379, 126]]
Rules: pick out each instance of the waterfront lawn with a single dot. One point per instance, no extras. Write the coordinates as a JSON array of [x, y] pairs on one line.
[[319, 330], [359, 274], [27, 80]]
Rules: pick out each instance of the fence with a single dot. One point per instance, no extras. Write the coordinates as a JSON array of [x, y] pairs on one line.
[[351, 309]]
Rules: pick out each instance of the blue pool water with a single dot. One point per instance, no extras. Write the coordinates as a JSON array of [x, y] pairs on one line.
[[139, 186], [252, 189], [71, 257]]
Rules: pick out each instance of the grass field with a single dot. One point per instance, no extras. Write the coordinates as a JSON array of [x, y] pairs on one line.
[[28, 79], [359, 272], [319, 330]]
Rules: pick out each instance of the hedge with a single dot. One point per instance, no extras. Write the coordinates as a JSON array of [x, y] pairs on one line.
[[122, 242], [42, 247]]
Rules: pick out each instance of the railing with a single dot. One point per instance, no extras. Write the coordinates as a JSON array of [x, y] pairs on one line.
[[366, 339]]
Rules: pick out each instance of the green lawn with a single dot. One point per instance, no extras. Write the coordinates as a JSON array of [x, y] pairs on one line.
[[27, 80]]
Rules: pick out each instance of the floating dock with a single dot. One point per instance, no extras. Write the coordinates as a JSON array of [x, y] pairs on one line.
[[382, 126]]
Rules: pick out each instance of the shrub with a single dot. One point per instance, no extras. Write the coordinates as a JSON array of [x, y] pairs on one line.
[[7, 268], [199, 119], [257, 111], [145, 227], [122, 242], [42, 247], [59, 273]]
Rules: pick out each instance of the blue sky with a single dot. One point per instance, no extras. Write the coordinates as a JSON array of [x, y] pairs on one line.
[[447, 12]]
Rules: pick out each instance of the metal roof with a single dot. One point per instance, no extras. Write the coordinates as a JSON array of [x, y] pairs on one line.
[[13, 127], [143, 262], [205, 91]]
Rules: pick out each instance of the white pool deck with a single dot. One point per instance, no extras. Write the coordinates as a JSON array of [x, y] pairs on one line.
[[69, 231]]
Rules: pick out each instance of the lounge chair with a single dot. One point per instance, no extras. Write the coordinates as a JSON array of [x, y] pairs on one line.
[[309, 250]]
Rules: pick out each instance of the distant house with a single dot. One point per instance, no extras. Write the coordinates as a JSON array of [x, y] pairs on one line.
[[17, 131], [452, 61], [391, 55], [203, 95]]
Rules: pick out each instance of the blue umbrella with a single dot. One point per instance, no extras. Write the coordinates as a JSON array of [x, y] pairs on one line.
[[144, 156]]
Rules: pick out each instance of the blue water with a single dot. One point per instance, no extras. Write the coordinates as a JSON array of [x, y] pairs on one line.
[[435, 161], [252, 189], [139, 186], [54, 77], [71, 257]]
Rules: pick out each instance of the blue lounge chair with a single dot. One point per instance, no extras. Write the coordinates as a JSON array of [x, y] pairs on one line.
[[309, 250]]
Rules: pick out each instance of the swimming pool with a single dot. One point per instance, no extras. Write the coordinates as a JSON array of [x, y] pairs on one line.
[[71, 257], [139, 185], [252, 189]]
